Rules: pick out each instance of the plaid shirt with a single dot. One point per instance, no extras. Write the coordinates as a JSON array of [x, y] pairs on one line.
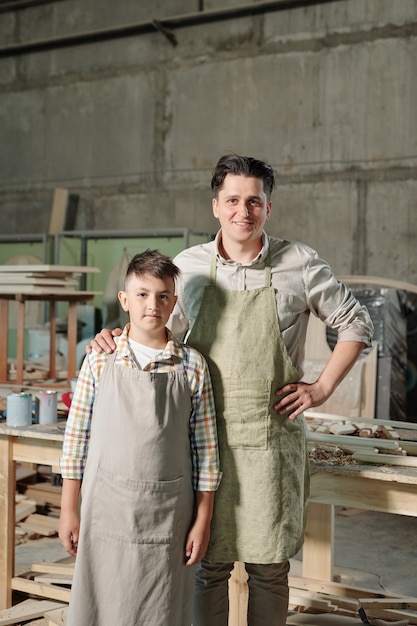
[[203, 432]]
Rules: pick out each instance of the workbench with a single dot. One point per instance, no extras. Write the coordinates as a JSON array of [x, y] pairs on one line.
[[390, 489], [40, 444]]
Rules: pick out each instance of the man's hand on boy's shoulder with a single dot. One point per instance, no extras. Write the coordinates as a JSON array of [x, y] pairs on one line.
[[103, 341]]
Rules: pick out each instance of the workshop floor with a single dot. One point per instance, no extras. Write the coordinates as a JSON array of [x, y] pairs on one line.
[[377, 551]]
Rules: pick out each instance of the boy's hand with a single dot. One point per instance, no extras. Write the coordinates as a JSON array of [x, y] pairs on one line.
[[103, 341], [197, 543], [69, 531]]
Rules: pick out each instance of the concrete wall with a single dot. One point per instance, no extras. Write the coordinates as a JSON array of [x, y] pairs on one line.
[[133, 125]]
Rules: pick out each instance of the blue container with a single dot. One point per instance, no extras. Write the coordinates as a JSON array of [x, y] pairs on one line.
[[19, 410]]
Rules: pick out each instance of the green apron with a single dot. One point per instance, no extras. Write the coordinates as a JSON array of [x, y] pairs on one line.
[[259, 512]]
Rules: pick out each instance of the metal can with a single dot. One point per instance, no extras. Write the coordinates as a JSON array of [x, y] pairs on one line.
[[19, 410], [48, 407]]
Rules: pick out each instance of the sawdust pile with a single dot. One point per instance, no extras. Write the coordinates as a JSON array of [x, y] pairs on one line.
[[331, 456]]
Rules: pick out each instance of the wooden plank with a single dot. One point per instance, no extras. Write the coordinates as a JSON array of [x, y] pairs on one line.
[[57, 616], [34, 529], [21, 583], [43, 520], [24, 508], [390, 603], [353, 441], [307, 602], [410, 447], [386, 459], [45, 491], [28, 279], [26, 474], [333, 601], [59, 567], [404, 618], [53, 579], [41, 290], [28, 609], [314, 414], [238, 595], [333, 588], [59, 211], [51, 270]]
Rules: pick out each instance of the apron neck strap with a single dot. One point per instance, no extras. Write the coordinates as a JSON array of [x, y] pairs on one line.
[[213, 269]]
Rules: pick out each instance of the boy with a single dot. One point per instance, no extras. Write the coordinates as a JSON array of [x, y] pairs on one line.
[[146, 415]]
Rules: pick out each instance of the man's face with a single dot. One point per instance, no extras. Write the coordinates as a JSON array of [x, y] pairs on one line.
[[242, 209]]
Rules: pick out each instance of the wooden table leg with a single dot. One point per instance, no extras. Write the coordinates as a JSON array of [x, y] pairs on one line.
[[52, 339], [20, 349], [318, 542], [72, 340], [4, 344], [7, 521]]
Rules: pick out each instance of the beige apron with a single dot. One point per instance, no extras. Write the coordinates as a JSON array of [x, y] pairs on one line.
[[138, 504], [259, 511]]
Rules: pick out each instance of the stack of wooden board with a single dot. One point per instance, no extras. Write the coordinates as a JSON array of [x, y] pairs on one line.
[[386, 442], [41, 279]]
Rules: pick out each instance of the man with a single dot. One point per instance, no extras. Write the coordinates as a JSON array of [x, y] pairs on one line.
[[243, 301]]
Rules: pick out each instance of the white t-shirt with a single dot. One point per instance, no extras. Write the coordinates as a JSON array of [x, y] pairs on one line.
[[143, 354]]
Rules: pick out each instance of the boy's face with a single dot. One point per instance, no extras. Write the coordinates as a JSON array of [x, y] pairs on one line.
[[149, 301]]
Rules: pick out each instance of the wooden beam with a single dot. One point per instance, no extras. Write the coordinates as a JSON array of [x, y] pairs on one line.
[[57, 567], [25, 584]]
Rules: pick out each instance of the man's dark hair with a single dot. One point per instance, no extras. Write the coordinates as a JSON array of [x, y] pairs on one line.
[[242, 166], [154, 263]]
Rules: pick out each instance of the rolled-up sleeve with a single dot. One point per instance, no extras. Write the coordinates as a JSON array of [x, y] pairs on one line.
[[336, 305], [77, 431], [203, 429]]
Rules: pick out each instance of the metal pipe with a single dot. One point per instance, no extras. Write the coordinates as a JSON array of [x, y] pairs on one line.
[[168, 23], [19, 5]]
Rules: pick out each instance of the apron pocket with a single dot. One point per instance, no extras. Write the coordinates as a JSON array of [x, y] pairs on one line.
[[246, 412], [137, 511]]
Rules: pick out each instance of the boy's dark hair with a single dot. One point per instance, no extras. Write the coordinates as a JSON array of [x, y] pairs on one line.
[[154, 263], [243, 166]]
